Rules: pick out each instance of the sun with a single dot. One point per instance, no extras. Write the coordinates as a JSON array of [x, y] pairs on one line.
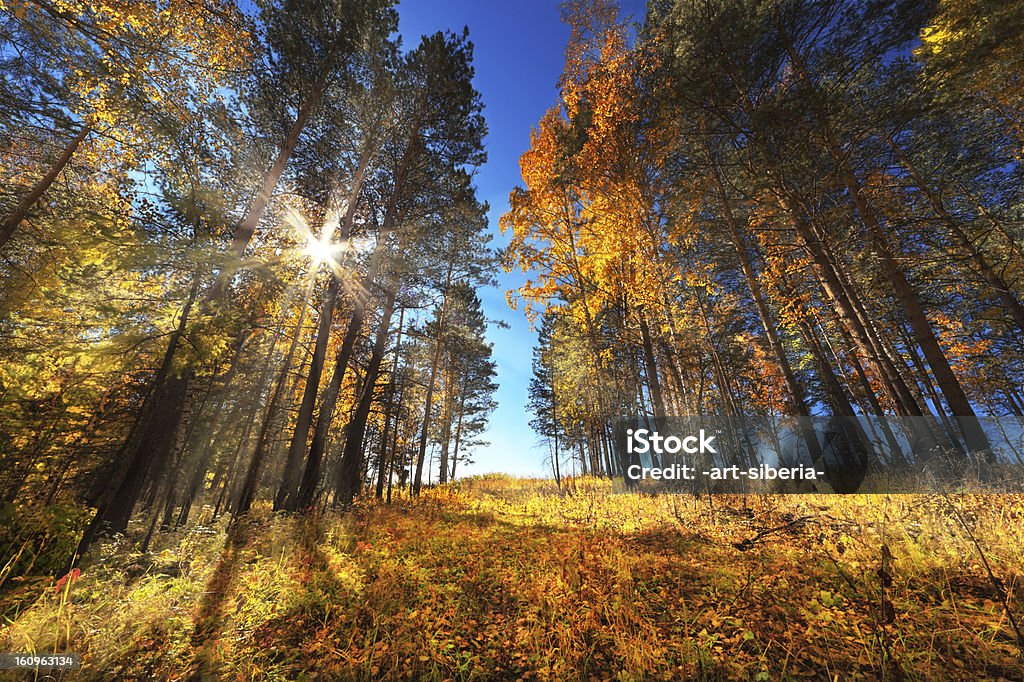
[[322, 250]]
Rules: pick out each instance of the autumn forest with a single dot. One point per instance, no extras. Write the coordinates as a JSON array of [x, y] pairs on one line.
[[247, 356]]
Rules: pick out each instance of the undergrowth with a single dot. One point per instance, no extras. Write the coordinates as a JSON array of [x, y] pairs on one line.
[[498, 578]]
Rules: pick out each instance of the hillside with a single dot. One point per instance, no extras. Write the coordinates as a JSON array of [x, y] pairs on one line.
[[497, 578]]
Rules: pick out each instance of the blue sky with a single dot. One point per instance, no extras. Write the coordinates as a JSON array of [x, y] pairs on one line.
[[519, 47]]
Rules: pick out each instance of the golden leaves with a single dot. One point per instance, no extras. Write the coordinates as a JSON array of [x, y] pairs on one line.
[[123, 55], [587, 221]]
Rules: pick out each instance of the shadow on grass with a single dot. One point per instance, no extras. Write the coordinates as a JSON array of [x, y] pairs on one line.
[[458, 594], [210, 619], [465, 596], [430, 592]]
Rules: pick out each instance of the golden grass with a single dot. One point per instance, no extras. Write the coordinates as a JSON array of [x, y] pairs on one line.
[[497, 578]]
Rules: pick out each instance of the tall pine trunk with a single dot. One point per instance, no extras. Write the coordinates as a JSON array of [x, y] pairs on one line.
[[304, 419], [435, 362], [446, 427], [953, 392], [349, 477], [651, 366], [252, 476], [290, 498], [154, 428], [985, 269], [798, 400], [458, 434], [20, 212], [383, 467], [950, 387]]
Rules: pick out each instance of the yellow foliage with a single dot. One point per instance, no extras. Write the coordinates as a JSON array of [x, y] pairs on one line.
[[500, 577]]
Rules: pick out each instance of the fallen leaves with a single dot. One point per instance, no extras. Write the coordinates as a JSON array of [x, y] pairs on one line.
[[496, 578]]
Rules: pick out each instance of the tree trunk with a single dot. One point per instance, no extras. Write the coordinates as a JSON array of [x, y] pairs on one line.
[[925, 336], [245, 229], [20, 212], [988, 273], [394, 444], [554, 426], [382, 459], [849, 315], [796, 392], [842, 297], [304, 420], [154, 428], [798, 400], [434, 362], [446, 428], [349, 478], [252, 475], [311, 472], [458, 433], [949, 385], [318, 447], [650, 366], [202, 457], [929, 386]]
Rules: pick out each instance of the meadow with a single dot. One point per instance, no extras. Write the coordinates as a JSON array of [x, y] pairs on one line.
[[500, 578]]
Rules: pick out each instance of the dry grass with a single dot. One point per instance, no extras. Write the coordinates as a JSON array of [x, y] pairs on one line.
[[496, 578]]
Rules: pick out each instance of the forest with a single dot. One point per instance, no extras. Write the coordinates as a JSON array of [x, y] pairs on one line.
[[246, 361], [796, 208]]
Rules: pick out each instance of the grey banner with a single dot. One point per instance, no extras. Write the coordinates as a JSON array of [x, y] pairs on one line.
[[776, 454]]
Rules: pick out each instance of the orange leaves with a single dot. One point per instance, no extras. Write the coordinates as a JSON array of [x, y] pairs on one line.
[[587, 223], [771, 394], [65, 582], [538, 164], [540, 218], [968, 353]]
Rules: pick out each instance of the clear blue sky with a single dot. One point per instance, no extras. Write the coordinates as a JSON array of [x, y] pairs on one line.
[[519, 47]]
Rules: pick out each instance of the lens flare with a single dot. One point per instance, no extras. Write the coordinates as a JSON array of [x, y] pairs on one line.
[[322, 250]]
